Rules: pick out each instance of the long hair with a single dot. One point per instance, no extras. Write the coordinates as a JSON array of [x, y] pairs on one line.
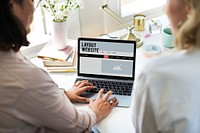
[[12, 31], [188, 35]]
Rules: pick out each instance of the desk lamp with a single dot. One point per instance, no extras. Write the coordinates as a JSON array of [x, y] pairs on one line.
[[130, 35]]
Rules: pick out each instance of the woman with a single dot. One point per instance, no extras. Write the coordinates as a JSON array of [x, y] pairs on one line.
[[29, 100], [167, 91]]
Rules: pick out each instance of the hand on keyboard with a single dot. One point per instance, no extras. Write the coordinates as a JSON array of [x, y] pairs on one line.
[[78, 88], [101, 106]]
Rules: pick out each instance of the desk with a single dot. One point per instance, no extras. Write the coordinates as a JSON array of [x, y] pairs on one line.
[[119, 121]]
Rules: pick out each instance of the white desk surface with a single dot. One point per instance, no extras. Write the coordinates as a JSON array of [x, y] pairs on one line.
[[119, 121]]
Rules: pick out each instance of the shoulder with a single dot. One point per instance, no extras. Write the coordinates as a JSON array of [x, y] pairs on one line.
[[165, 62], [20, 70], [160, 71]]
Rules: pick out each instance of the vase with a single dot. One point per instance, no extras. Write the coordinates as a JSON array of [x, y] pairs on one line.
[[59, 35]]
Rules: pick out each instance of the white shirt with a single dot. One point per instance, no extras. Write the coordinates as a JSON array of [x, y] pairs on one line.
[[31, 102], [167, 95]]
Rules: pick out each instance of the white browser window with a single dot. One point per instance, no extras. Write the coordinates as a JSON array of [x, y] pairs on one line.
[[106, 58]]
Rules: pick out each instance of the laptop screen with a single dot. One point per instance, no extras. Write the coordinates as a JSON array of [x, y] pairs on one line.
[[106, 58]]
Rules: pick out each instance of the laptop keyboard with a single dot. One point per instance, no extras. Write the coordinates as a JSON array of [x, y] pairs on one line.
[[118, 88]]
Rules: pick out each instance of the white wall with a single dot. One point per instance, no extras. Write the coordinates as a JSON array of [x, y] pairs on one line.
[[74, 30], [93, 21]]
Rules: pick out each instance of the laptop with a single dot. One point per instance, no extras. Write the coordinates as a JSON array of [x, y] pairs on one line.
[[108, 64]]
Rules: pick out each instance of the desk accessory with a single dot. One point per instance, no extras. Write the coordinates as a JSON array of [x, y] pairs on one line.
[[49, 52], [150, 51], [59, 35], [130, 35], [139, 22], [155, 26], [59, 60], [167, 38], [60, 63], [62, 68]]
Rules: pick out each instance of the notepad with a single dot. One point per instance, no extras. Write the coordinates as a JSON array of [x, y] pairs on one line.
[[48, 52], [60, 63]]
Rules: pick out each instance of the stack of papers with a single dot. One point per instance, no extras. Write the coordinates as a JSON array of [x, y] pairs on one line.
[[58, 60]]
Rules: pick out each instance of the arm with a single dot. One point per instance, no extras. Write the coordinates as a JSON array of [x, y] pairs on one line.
[[49, 107], [43, 105], [142, 109]]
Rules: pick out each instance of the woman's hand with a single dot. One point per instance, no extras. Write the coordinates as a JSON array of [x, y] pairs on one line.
[[78, 88], [101, 106]]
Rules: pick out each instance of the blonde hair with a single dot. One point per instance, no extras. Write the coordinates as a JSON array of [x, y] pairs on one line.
[[188, 35]]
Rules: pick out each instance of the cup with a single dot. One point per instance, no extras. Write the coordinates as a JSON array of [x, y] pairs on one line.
[[167, 38], [155, 26], [139, 22]]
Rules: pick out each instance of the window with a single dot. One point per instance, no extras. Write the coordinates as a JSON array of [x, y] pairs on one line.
[[130, 7], [37, 36], [38, 30]]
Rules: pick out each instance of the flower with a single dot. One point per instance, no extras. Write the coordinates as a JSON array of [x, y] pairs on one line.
[[61, 9]]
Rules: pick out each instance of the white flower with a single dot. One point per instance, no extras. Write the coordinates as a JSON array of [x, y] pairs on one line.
[[61, 9], [66, 12], [81, 4], [59, 15]]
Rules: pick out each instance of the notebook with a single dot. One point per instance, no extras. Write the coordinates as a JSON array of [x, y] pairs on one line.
[[108, 64]]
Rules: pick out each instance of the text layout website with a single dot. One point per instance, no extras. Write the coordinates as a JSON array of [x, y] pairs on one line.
[[106, 58]]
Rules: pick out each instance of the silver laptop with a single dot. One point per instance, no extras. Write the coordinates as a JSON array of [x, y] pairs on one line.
[[108, 64]]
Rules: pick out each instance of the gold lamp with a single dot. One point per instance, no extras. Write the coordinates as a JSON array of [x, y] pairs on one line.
[[130, 35]]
